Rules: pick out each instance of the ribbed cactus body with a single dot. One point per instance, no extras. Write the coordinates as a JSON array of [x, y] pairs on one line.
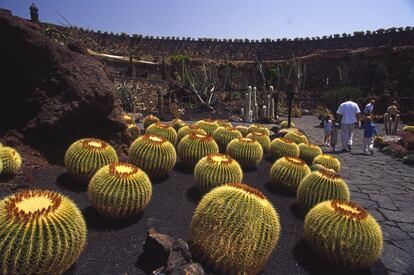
[[328, 161], [224, 123], [194, 147], [308, 152], [187, 129], [148, 120], [297, 137], [235, 229], [261, 138], [153, 154], [10, 159], [41, 232], [343, 234], [287, 173], [223, 136], [133, 131], [86, 156], [214, 170], [284, 124], [120, 190], [319, 167], [128, 119], [162, 130], [243, 130], [208, 125], [281, 147], [257, 128], [320, 186], [246, 151], [177, 124]]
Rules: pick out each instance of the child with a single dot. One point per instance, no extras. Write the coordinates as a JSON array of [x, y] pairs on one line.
[[369, 132], [327, 129], [334, 135]]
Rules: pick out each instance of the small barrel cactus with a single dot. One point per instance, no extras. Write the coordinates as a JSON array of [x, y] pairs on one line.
[[243, 130], [42, 232], [287, 173], [10, 159], [257, 128], [343, 234], [320, 186], [224, 242], [225, 123], [194, 147], [284, 124], [153, 154], [120, 190], [214, 170], [223, 136], [318, 167], [262, 138], [208, 125], [162, 130], [281, 147], [148, 120], [177, 124], [187, 129], [86, 156], [133, 131], [408, 129], [128, 119], [328, 161], [297, 137], [308, 152], [246, 151]]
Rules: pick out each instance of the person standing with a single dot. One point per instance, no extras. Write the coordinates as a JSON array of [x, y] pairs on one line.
[[369, 132], [327, 128], [369, 108], [348, 115]]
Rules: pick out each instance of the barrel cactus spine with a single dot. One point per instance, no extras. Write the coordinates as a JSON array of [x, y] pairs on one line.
[[133, 131], [308, 152], [246, 151], [149, 119], [343, 234], [318, 167], [208, 125], [223, 136], [230, 246], [328, 161], [281, 147], [297, 137], [262, 138], [10, 160], [257, 128], [194, 147], [287, 173], [177, 124], [163, 130], [43, 232], [243, 130], [187, 129]]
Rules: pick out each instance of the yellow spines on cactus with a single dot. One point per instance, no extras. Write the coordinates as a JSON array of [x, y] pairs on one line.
[[297, 137], [287, 173], [225, 123], [235, 229], [187, 129], [128, 119], [42, 232], [246, 151], [308, 152], [208, 125], [153, 154], [343, 234], [243, 130], [214, 170], [10, 159], [262, 138], [177, 124], [133, 131], [257, 128], [148, 120], [318, 186], [284, 124], [318, 167], [162, 130], [194, 147], [120, 190], [223, 136], [281, 147], [328, 161], [86, 156], [408, 129]]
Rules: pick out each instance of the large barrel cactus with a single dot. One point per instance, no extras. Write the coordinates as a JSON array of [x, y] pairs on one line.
[[185, 130], [297, 137], [281, 147], [42, 232], [235, 229], [149, 119], [328, 161], [224, 123], [86, 156], [243, 130], [208, 125], [320, 186], [223, 136], [287, 173], [257, 128], [10, 160], [194, 147], [261, 138], [246, 151], [162, 130], [120, 190], [308, 152], [343, 234], [177, 124], [153, 154], [214, 170]]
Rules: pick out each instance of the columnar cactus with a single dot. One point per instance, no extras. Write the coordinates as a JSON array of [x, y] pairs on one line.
[[153, 154], [328, 161], [243, 130], [225, 123], [308, 152], [214, 170], [281, 147], [208, 125], [177, 124], [120, 190], [10, 160], [246, 151], [248, 105], [284, 124], [343, 234], [255, 105], [257, 128], [42, 232], [262, 138], [149, 119], [194, 147], [228, 245], [187, 129], [223, 136], [297, 137], [86, 156], [287, 173], [320, 186], [162, 130]]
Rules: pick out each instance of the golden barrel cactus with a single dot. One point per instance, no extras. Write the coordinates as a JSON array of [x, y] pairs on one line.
[[262, 138], [128, 119], [257, 128], [162, 130], [328, 161], [297, 137], [208, 125], [281, 147], [246, 151], [343, 234], [194, 147], [133, 131], [177, 124], [225, 123], [223, 136], [214, 170], [10, 160], [153, 154], [148, 120], [243, 130], [408, 128], [187, 129], [120, 190], [86, 156], [42, 232], [308, 152], [287, 173], [235, 229], [284, 124], [318, 167]]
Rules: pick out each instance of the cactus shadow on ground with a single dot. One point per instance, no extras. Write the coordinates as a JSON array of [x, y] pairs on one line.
[[160, 180], [294, 209], [180, 167], [6, 178], [98, 222], [269, 159], [65, 181], [193, 194], [269, 187]]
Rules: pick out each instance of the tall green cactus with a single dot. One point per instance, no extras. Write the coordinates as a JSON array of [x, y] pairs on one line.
[[10, 160], [224, 135], [281, 147], [308, 152], [194, 147], [208, 125], [328, 161], [187, 129], [287, 173], [261, 138], [149, 119], [246, 151], [162, 130]]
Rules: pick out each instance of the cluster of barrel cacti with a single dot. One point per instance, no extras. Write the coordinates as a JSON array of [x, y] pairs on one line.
[[10, 161]]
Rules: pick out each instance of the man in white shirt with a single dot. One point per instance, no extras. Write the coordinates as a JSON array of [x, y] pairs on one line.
[[348, 114], [369, 108]]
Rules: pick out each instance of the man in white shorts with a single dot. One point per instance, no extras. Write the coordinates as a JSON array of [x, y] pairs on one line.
[[348, 114]]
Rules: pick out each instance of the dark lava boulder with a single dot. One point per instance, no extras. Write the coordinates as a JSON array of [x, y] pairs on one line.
[[51, 94]]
